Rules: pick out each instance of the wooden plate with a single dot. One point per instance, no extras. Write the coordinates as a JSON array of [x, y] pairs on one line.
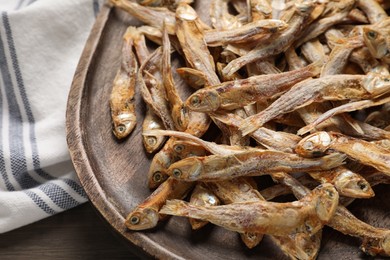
[[113, 173]]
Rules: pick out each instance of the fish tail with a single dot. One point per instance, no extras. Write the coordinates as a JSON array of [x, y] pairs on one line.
[[249, 125], [333, 160], [176, 208]]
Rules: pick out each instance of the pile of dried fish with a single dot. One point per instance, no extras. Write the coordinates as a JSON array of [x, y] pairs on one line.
[[298, 90]]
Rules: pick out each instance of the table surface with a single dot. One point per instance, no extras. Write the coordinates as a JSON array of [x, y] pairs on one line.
[[79, 233]]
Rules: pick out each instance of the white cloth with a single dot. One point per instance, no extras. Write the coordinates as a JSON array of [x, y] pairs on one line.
[[40, 44]]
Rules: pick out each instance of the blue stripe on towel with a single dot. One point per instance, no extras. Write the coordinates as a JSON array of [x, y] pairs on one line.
[[5, 74], [40, 202], [26, 103], [18, 160], [75, 186], [58, 195]]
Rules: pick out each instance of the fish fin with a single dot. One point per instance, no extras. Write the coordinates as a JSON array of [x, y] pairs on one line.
[[316, 67], [333, 160], [175, 207], [249, 125]]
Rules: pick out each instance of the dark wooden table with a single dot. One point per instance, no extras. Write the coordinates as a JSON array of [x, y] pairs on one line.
[[79, 233]]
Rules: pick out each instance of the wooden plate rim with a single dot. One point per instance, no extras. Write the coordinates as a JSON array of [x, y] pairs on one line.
[[78, 154]]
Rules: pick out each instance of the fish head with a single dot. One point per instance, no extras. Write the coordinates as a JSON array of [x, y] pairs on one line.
[[327, 201], [184, 149], [204, 100], [314, 145], [180, 116], [375, 42], [187, 169], [142, 218], [353, 185], [376, 84], [306, 246], [160, 163], [123, 124], [304, 7], [153, 143]]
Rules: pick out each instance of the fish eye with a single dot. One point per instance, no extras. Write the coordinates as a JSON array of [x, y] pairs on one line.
[[151, 140], [176, 172], [362, 185], [372, 34], [121, 128], [195, 100], [134, 220], [157, 176], [308, 145], [308, 227], [178, 148], [329, 193]]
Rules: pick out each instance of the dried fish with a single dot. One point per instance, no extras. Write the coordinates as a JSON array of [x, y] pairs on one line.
[[123, 90], [238, 93], [304, 216], [180, 114], [154, 16], [365, 152], [252, 163], [190, 35], [254, 31], [146, 215]]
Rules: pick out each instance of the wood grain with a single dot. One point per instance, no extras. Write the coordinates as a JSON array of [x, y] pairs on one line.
[[78, 233], [114, 173]]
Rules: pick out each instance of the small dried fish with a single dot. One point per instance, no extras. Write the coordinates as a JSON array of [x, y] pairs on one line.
[[180, 114], [249, 32], [365, 152], [146, 214], [238, 93], [154, 16], [152, 91], [252, 163], [123, 90], [190, 35], [265, 217]]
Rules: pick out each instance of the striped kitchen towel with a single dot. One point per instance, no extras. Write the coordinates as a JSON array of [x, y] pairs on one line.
[[40, 44]]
